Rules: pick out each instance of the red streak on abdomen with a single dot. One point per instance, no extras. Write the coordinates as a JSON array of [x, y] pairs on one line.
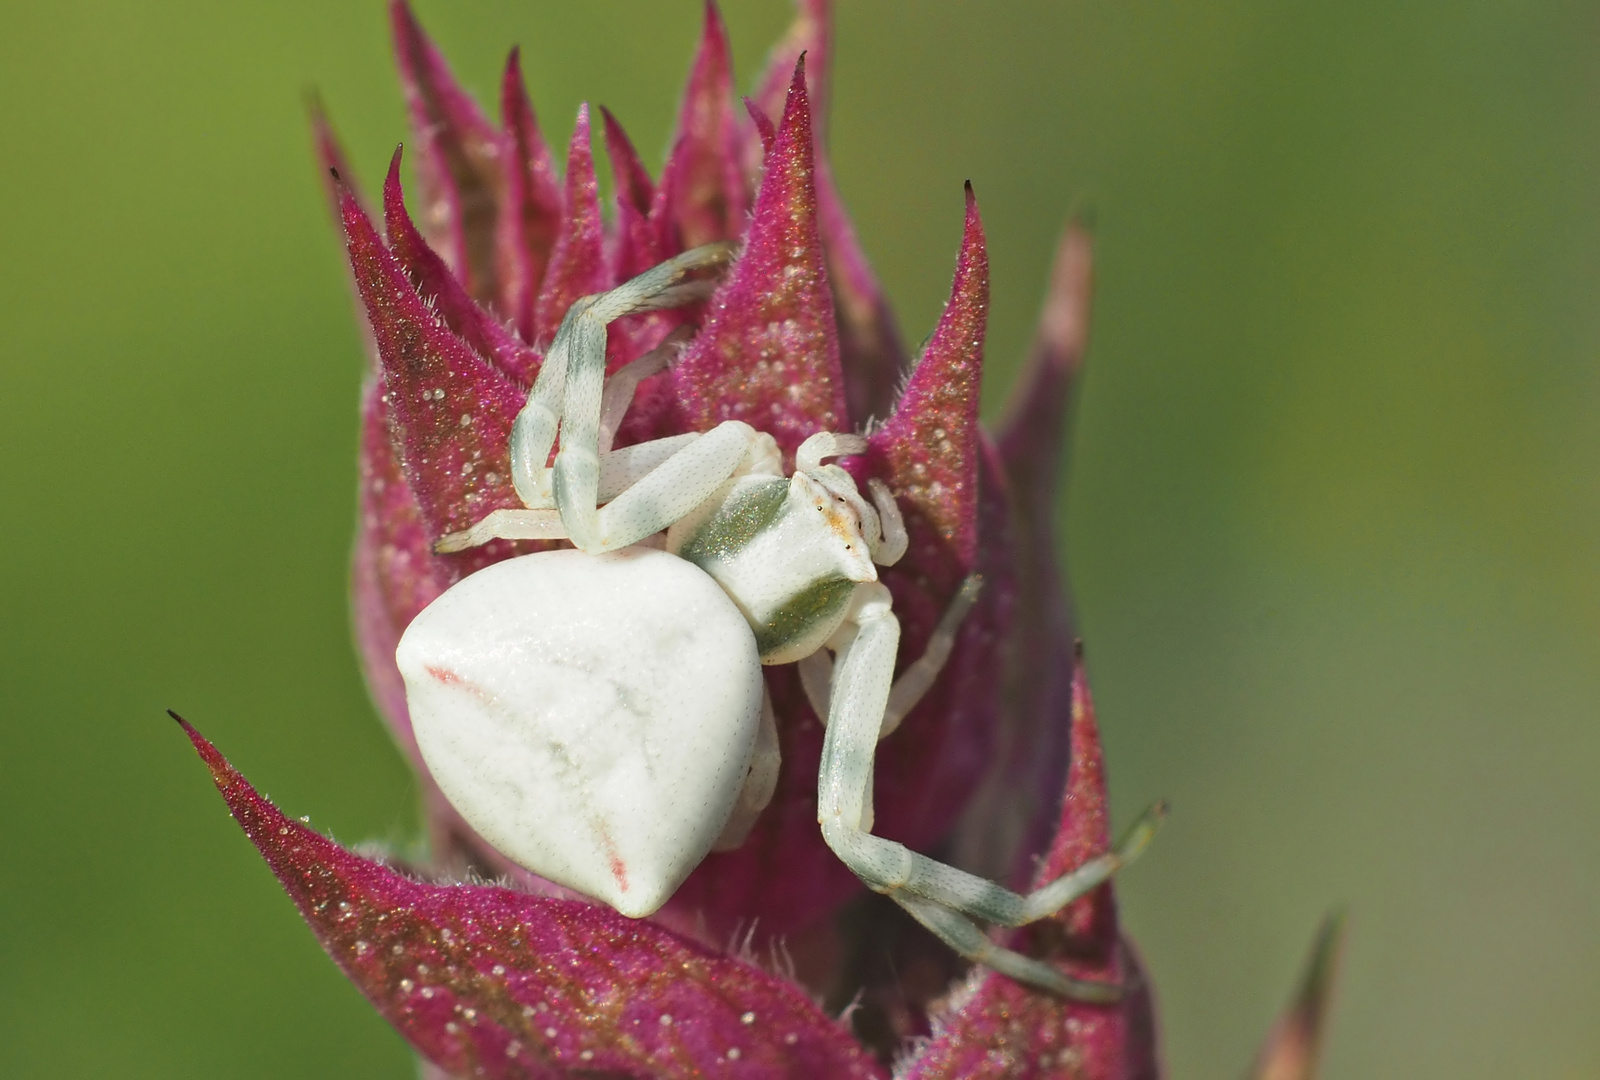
[[619, 869]]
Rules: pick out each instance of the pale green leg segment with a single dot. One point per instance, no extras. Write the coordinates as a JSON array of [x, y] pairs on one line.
[[655, 484], [942, 898], [663, 495], [569, 390], [816, 670]]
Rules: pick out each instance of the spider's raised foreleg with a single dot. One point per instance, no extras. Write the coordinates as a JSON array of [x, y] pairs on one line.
[[619, 468], [942, 898], [568, 393]]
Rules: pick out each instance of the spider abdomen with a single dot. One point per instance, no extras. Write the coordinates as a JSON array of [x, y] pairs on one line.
[[592, 717]]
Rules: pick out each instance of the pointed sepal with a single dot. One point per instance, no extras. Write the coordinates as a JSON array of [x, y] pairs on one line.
[[451, 410], [763, 129], [459, 163], [577, 262], [442, 291], [810, 35], [335, 164], [870, 350], [638, 245], [531, 220], [928, 450], [1011, 817], [702, 184], [1293, 1049], [486, 981], [337, 177], [769, 354], [1004, 1029], [1033, 430]]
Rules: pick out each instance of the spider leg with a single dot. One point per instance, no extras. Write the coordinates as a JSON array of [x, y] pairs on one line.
[[568, 392], [917, 679], [624, 383], [809, 455], [894, 543], [944, 899], [759, 783], [650, 486], [816, 670], [504, 525], [619, 470], [666, 493], [964, 936]]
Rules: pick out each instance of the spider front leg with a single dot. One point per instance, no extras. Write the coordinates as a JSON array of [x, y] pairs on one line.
[[654, 485], [942, 898], [569, 391], [621, 468]]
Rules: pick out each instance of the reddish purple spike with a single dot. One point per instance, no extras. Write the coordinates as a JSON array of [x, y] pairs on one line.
[[460, 160], [928, 450], [336, 177], [491, 982], [870, 349], [532, 221], [869, 340], [1011, 817], [811, 36], [437, 285], [330, 154], [768, 354], [638, 242], [577, 263], [394, 573], [633, 183], [636, 247], [702, 184], [450, 408], [1007, 1030], [1293, 1049], [1034, 427], [1085, 829], [764, 130]]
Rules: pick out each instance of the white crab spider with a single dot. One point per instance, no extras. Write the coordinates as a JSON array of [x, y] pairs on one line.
[[599, 715]]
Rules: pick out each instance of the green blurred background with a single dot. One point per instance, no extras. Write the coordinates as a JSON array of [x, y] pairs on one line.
[[1333, 517]]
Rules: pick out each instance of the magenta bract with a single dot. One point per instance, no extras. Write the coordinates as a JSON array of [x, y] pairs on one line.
[[488, 981], [703, 196], [1293, 1048], [1004, 1030], [768, 354], [797, 337], [530, 220]]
